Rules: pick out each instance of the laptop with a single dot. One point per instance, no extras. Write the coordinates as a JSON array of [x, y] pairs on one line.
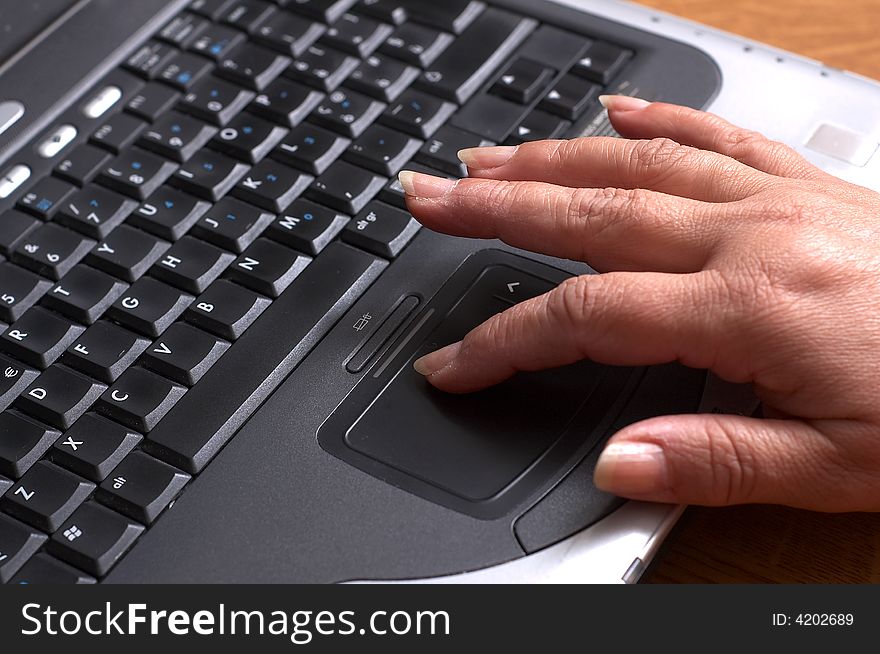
[[211, 292]]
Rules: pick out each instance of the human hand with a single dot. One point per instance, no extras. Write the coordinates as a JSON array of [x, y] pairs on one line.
[[718, 248]]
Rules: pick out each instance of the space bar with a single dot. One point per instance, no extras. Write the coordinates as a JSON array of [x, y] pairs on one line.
[[219, 404]]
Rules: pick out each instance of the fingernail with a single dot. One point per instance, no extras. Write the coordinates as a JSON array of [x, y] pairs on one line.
[[424, 186], [431, 363], [490, 157], [622, 103], [631, 468]]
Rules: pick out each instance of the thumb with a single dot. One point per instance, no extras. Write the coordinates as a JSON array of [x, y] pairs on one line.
[[717, 460]]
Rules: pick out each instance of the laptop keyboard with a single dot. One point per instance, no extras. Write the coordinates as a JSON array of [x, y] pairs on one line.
[[240, 185]]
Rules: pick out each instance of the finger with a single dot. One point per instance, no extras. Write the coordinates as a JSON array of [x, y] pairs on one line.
[[717, 460], [610, 228], [658, 164], [615, 318], [636, 119]]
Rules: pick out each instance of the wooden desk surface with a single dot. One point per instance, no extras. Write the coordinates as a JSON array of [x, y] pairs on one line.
[[764, 543]]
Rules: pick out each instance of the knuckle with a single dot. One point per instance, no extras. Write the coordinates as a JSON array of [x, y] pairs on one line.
[[740, 138], [733, 466], [657, 153], [570, 303]]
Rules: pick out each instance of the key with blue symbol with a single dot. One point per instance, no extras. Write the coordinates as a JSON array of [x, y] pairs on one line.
[[184, 69], [216, 101], [248, 138], [209, 175], [310, 149], [136, 173], [176, 136], [307, 227], [44, 198], [232, 224], [271, 185]]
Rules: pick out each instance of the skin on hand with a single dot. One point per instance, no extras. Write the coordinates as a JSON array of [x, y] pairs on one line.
[[717, 248]]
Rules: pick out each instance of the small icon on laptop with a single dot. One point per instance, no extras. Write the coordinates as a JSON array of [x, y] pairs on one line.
[[73, 533]]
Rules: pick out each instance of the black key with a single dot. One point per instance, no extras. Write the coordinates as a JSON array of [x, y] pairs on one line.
[[44, 197], [450, 15], [136, 173], [357, 34], [226, 309], [84, 294], [288, 33], [39, 337], [191, 264], [554, 47], [381, 229], [417, 113], [441, 150], [389, 11], [322, 67], [347, 112], [94, 446], [142, 487], [14, 378], [307, 226], [169, 213], [345, 187], [81, 165], [252, 66], [149, 307], [310, 148], [215, 100], [232, 224], [382, 150], [5, 484], [14, 226], [570, 97], [59, 396], [271, 185], [127, 253], [203, 421], [45, 569], [267, 267], [177, 136], [95, 211], [393, 192], [212, 9], [51, 250], [327, 11], [18, 543], [19, 290], [489, 116], [150, 59], [184, 353], [523, 81], [94, 538], [209, 175], [248, 138], [416, 44], [183, 70], [139, 399], [476, 54], [216, 41], [22, 443], [46, 496], [538, 126], [104, 351], [118, 132], [601, 62], [182, 30], [286, 102], [381, 77], [152, 101], [247, 14]]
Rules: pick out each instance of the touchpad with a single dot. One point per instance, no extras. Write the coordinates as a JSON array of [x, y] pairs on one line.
[[481, 453], [472, 445]]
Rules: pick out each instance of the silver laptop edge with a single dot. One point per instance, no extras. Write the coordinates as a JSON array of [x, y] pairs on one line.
[[789, 98]]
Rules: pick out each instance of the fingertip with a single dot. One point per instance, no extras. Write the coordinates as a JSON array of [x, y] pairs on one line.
[[420, 185], [623, 103]]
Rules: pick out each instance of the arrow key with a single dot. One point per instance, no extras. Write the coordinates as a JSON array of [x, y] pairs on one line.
[[184, 353], [538, 126], [523, 81], [510, 285], [571, 96]]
